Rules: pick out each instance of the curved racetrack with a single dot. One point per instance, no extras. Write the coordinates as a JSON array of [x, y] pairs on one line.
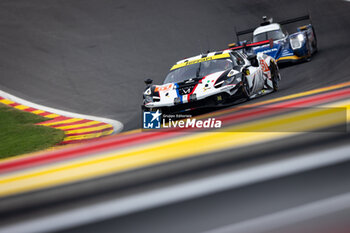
[[92, 56]]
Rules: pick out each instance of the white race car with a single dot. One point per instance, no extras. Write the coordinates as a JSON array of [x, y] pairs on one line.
[[213, 79]]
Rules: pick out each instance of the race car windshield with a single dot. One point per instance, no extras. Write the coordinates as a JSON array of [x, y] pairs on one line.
[[274, 35], [199, 70]]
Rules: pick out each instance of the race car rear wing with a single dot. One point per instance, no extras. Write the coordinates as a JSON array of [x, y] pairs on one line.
[[301, 18], [233, 46], [283, 22]]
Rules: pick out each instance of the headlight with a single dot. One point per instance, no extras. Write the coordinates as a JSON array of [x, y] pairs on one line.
[[148, 99], [229, 80], [147, 95], [301, 37], [231, 73], [148, 91], [297, 42], [223, 81], [233, 77]]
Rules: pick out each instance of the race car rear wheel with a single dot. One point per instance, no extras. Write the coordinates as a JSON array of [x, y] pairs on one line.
[[274, 76], [314, 42]]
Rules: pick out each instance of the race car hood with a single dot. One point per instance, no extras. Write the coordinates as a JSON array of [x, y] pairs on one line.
[[180, 92], [274, 52], [280, 49]]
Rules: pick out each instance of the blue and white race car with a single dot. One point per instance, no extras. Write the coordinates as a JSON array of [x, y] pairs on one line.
[[283, 47]]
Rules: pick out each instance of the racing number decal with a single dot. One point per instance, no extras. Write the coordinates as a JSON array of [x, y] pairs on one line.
[[264, 66], [163, 88]]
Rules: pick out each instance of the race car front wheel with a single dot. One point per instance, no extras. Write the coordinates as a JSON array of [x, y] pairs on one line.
[[308, 49], [314, 42], [245, 87]]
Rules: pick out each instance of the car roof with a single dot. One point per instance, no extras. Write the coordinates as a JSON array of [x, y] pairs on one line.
[[267, 28], [202, 57]]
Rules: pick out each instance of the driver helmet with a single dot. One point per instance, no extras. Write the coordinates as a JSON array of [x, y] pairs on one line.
[[228, 64]]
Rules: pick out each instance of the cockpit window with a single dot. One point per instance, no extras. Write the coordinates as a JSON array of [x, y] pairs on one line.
[[274, 35], [239, 59], [200, 70]]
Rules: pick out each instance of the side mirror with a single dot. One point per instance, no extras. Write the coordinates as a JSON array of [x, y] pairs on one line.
[[253, 60], [251, 57], [148, 81], [232, 45]]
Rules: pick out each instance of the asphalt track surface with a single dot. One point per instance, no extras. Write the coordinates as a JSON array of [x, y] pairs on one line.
[[244, 209], [91, 57]]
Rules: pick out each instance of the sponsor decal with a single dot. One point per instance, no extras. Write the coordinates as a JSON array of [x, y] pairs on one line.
[[199, 60], [163, 88], [264, 66], [270, 50], [186, 63], [186, 91]]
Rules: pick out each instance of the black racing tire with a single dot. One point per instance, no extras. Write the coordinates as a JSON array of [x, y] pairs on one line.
[[314, 43], [308, 56], [245, 88], [274, 75], [144, 109]]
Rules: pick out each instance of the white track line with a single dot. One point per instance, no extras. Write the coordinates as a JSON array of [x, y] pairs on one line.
[[288, 217], [117, 126], [179, 192]]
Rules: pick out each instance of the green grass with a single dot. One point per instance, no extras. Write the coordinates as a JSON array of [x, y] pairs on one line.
[[19, 135]]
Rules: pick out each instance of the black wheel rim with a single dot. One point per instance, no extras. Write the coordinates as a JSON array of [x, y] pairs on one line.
[[246, 87], [274, 77]]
